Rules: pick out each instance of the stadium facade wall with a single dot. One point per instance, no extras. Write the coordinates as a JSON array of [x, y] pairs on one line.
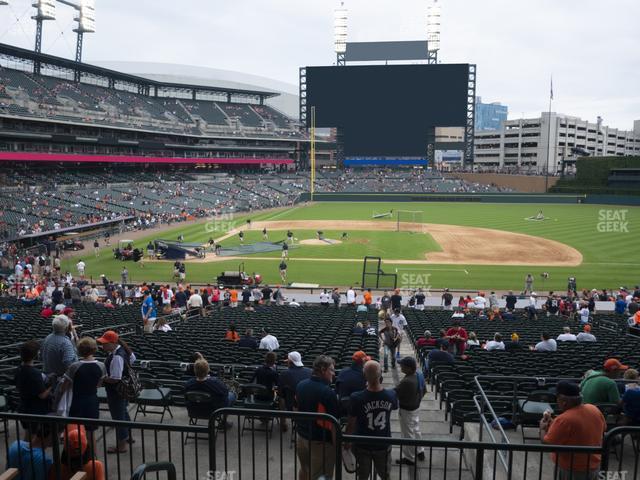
[[59, 157]]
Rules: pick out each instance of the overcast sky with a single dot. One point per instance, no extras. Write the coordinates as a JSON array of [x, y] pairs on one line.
[[590, 47]]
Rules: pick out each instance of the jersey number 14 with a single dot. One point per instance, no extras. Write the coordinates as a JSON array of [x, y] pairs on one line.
[[379, 422]]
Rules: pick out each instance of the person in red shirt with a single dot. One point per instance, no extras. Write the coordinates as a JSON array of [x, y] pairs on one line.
[[47, 312], [457, 337], [426, 341], [579, 424]]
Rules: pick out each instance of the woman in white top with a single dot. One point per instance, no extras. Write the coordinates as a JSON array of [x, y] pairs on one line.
[[496, 343], [472, 340]]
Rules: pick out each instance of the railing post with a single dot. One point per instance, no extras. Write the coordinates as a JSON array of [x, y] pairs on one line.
[[479, 464]]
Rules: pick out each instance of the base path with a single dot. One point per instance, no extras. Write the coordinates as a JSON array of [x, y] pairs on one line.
[[460, 245]]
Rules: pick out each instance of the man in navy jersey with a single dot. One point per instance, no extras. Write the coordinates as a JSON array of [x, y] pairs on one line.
[[370, 415]]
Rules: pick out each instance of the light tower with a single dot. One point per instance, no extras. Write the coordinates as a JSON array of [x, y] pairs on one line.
[[433, 30], [86, 24], [340, 33], [45, 10]]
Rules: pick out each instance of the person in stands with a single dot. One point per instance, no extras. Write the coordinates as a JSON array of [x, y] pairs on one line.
[[370, 415], [351, 379], [32, 389], [586, 335], [267, 375], [268, 342], [410, 391], [496, 343], [631, 398], [566, 335], [457, 337], [78, 456], [58, 351], [439, 356], [84, 377], [599, 386], [315, 443], [390, 340], [288, 382], [231, 334], [514, 345], [426, 340], [29, 456], [579, 424], [546, 344], [248, 340], [203, 382], [119, 359]]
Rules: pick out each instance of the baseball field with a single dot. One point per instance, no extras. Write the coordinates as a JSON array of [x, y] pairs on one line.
[[456, 245]]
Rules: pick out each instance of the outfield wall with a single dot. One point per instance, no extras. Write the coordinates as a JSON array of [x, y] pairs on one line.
[[444, 197], [473, 198]]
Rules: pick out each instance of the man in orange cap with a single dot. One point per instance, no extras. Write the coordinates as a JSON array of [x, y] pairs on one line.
[[351, 379], [600, 386], [119, 354], [586, 335]]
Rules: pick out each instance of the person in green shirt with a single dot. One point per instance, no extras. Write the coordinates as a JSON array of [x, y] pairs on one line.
[[600, 386]]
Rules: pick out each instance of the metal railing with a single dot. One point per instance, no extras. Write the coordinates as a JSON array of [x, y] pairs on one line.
[[152, 443], [493, 426], [256, 448]]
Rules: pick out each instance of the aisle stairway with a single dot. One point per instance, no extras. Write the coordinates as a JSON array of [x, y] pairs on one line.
[[438, 464]]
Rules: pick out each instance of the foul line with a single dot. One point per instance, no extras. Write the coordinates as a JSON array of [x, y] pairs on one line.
[[427, 270], [276, 215]]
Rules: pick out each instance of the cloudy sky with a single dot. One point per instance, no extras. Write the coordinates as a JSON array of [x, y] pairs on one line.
[[590, 47]]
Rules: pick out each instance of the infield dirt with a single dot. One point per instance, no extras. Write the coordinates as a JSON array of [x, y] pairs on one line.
[[460, 245]]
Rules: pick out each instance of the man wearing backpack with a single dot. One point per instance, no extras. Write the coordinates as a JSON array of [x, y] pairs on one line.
[[120, 383]]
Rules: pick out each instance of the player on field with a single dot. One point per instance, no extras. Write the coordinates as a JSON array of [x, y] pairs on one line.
[[283, 271]]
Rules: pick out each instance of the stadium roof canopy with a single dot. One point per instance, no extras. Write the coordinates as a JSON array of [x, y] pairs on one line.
[[146, 86]]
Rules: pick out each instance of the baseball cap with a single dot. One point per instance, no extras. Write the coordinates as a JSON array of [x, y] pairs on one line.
[[109, 337], [409, 362], [587, 328], [75, 439], [568, 389], [295, 358], [613, 364], [360, 357]]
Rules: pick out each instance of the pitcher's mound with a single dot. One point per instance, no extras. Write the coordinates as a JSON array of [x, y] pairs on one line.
[[315, 241]]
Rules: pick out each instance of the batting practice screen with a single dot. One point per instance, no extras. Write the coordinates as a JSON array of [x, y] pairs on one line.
[[387, 110]]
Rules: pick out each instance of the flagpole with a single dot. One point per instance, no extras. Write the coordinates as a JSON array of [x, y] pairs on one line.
[[546, 174]]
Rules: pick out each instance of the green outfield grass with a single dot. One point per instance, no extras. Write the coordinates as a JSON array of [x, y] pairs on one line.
[[610, 258]]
